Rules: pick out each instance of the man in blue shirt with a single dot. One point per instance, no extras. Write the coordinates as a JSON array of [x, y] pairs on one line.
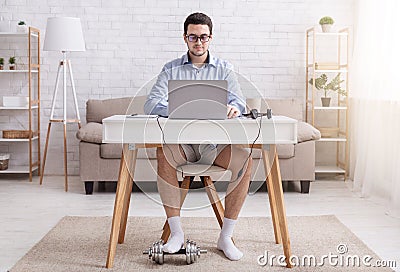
[[198, 63]]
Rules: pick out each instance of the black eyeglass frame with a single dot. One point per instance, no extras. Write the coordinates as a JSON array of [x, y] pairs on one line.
[[201, 38]]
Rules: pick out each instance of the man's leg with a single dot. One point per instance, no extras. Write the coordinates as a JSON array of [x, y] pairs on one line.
[[168, 158], [238, 162]]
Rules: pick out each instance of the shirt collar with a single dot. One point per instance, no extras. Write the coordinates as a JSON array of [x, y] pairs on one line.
[[210, 59]]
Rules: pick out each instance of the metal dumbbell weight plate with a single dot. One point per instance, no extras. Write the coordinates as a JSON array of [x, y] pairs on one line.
[[192, 252]]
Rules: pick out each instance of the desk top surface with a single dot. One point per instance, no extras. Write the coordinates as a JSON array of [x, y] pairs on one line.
[[153, 118], [153, 130]]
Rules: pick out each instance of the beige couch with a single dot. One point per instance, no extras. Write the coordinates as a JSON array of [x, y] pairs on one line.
[[100, 162]]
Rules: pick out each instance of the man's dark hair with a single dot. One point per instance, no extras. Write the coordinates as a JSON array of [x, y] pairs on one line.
[[198, 18]]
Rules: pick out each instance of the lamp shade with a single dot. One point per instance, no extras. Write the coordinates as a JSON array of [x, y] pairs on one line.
[[64, 34]]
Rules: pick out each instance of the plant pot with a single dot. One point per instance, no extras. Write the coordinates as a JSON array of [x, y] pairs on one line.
[[1, 67], [12, 66], [22, 28], [326, 28], [326, 101]]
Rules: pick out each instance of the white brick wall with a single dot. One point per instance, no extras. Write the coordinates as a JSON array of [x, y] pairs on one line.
[[129, 41]]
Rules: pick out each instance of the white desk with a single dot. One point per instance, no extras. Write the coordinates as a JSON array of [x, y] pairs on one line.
[[134, 133]]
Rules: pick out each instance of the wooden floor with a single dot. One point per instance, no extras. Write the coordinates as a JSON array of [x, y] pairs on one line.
[[28, 211]]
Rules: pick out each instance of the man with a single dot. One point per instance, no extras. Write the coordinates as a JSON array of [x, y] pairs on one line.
[[198, 63]]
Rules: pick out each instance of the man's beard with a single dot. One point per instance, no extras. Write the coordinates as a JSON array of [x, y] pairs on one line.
[[194, 53]]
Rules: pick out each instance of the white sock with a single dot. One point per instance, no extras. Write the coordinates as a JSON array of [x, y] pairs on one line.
[[225, 241], [176, 240]]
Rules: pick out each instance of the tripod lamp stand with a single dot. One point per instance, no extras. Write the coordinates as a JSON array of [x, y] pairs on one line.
[[63, 34]]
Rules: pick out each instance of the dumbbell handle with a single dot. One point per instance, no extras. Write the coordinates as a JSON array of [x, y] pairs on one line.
[[181, 251]]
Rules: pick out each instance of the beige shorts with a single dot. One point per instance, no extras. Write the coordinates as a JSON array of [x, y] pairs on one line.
[[202, 153]]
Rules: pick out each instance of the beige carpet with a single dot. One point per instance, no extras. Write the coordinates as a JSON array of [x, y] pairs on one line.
[[81, 243]]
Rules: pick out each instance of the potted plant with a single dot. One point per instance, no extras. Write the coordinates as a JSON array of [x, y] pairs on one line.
[[326, 23], [321, 83], [1, 63], [22, 27], [11, 62]]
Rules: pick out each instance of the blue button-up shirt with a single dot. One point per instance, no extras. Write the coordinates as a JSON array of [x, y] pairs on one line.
[[183, 69]]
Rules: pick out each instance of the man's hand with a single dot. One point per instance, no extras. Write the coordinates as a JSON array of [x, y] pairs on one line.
[[233, 112]]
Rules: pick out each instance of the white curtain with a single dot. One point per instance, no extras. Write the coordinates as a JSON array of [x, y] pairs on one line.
[[375, 102]]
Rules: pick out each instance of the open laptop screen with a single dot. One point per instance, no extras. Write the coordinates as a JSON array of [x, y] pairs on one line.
[[197, 99]]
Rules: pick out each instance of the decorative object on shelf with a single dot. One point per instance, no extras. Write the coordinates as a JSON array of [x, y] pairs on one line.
[[1, 63], [333, 85], [326, 23], [22, 27], [11, 62], [15, 101], [16, 134], [63, 34], [4, 158], [329, 132]]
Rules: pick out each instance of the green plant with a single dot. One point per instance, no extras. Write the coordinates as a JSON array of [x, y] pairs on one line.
[[321, 83], [21, 23], [1, 61], [11, 60], [326, 21]]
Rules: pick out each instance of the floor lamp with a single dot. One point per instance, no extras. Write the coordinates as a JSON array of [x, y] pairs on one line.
[[63, 34]]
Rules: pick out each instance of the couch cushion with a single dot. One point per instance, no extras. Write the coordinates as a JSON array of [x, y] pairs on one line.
[[97, 110], [91, 133], [113, 151], [306, 132]]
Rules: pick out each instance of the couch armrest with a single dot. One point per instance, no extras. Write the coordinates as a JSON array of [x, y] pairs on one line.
[[91, 132]]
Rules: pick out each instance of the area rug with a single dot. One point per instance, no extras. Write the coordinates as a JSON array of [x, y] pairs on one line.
[[81, 244]]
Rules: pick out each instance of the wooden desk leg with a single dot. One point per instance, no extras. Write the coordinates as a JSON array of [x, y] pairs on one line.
[[271, 194], [123, 181], [280, 206], [131, 166]]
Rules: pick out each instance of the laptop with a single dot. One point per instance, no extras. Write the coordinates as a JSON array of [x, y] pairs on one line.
[[197, 99]]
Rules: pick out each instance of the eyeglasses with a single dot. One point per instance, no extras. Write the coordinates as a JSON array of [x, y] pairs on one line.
[[194, 38]]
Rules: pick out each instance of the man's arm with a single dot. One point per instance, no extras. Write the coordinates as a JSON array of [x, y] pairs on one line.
[[235, 96], [157, 100]]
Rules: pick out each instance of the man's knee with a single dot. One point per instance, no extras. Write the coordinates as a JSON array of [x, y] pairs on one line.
[[171, 154]]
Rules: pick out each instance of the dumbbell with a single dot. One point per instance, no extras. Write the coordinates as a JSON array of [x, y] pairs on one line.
[[192, 252]]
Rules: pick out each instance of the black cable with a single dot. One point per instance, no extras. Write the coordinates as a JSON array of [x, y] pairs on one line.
[[165, 143]]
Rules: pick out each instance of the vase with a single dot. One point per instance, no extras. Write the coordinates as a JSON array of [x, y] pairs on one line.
[[22, 28], [326, 101], [326, 28]]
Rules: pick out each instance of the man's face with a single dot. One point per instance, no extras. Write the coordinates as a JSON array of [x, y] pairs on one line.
[[198, 47]]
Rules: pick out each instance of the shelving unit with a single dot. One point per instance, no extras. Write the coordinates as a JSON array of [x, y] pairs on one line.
[[33, 109], [334, 44]]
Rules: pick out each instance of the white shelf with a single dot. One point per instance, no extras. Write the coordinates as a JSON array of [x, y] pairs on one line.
[[22, 73], [329, 169], [16, 34], [331, 33], [330, 70], [18, 170], [17, 140], [17, 108], [18, 71], [332, 140], [330, 108]]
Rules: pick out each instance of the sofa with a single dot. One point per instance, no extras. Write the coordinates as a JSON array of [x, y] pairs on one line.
[[100, 162]]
